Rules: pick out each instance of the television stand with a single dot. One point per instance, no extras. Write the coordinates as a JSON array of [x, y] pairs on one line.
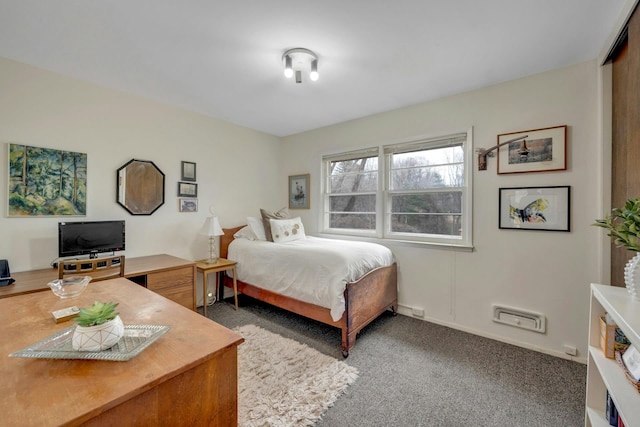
[[169, 276]]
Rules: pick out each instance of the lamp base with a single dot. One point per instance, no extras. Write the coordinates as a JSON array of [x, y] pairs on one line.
[[212, 260]]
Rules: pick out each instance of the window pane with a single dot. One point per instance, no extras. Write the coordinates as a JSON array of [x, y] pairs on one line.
[[352, 176], [446, 202], [354, 183], [355, 165], [427, 177], [359, 203], [354, 221], [436, 156], [449, 225]]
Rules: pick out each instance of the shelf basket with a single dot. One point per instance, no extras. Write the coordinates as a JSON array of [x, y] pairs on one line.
[[627, 374]]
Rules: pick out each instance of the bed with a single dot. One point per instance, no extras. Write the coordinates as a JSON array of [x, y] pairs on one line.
[[365, 298]]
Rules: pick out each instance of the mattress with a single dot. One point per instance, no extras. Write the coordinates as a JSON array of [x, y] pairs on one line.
[[314, 270]]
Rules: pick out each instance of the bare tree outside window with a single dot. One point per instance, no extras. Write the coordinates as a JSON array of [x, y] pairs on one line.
[[353, 187], [426, 193]]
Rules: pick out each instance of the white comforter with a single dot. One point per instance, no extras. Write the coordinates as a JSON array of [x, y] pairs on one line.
[[313, 270]]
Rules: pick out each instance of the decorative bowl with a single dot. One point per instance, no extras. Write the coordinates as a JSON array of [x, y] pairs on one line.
[[69, 287]]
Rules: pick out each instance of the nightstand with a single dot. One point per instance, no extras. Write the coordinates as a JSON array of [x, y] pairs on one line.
[[220, 265]]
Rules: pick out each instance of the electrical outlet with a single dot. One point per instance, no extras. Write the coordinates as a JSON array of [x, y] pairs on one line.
[[570, 350], [418, 312]]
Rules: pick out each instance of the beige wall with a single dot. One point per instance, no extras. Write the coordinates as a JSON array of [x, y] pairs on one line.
[[237, 168], [240, 170], [547, 272]]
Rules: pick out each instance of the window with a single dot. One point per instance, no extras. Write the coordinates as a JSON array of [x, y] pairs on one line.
[[352, 191], [418, 190]]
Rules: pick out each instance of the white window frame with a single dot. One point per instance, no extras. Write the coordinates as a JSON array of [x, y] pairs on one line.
[[383, 195], [326, 186]]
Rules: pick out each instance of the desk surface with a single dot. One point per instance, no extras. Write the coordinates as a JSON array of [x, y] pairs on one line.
[[46, 392], [36, 280]]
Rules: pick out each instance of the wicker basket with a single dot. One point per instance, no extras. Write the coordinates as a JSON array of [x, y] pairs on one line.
[[627, 374]]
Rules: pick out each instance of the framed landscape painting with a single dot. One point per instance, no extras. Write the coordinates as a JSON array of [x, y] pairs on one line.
[[535, 208], [46, 182], [541, 150]]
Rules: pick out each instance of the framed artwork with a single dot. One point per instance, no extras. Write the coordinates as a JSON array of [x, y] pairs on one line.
[[187, 189], [46, 182], [542, 150], [187, 204], [535, 208], [188, 171], [299, 191]]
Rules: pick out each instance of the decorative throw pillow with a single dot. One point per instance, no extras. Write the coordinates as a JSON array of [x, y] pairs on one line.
[[245, 233], [287, 230], [267, 215], [257, 226]]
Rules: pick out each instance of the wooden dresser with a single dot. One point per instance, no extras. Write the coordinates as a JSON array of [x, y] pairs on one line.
[[169, 276], [188, 377]]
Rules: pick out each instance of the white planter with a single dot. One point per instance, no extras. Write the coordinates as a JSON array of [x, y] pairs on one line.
[[99, 337], [632, 276]]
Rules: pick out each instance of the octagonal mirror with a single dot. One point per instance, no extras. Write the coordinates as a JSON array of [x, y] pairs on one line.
[[140, 187]]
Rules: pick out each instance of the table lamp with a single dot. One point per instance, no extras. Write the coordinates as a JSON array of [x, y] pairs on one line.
[[211, 228]]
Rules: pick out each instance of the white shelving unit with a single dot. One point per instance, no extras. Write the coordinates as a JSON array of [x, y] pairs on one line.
[[605, 374]]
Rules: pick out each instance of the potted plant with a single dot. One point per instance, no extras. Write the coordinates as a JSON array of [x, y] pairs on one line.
[[99, 327], [623, 225]]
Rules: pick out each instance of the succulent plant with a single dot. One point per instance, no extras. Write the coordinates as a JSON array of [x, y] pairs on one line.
[[97, 314], [624, 225]]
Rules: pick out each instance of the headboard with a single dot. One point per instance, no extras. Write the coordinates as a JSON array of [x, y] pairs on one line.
[[226, 239]]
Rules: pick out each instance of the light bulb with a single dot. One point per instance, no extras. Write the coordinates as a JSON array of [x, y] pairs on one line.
[[314, 70], [288, 71]]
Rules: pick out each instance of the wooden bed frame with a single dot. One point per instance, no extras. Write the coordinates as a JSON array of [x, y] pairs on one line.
[[365, 299]]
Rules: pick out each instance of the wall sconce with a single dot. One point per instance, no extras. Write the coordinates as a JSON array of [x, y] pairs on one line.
[[298, 60], [489, 152]]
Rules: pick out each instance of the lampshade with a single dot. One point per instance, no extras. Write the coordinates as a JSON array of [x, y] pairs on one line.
[[211, 227]]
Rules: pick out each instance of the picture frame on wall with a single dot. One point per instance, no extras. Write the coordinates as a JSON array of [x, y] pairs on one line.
[[535, 208], [543, 150], [45, 182], [299, 191], [187, 204], [187, 189], [188, 171]]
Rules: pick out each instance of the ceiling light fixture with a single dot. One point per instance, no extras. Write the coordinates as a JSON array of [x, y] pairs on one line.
[[298, 60]]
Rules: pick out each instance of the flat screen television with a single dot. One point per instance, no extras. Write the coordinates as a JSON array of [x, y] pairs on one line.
[[90, 237]]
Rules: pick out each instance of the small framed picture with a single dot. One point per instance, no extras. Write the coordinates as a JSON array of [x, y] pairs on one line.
[[299, 191], [535, 208], [187, 189], [188, 171], [539, 150], [187, 204]]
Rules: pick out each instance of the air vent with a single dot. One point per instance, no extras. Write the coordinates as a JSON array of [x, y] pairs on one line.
[[519, 318]]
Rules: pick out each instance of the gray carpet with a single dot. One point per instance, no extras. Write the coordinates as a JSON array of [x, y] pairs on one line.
[[416, 373]]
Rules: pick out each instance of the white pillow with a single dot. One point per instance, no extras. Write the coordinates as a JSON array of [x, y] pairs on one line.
[[286, 230], [257, 227], [245, 233]]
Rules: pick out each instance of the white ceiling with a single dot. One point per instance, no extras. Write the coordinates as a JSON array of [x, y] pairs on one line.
[[223, 58]]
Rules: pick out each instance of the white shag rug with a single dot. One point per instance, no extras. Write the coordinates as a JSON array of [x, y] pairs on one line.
[[282, 382]]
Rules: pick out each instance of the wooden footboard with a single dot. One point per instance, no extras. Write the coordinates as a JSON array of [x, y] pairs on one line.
[[365, 299]]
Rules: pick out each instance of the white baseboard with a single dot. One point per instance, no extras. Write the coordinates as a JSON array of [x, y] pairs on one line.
[[407, 311]]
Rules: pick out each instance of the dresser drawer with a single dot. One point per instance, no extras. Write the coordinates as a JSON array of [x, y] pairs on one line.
[[176, 285]]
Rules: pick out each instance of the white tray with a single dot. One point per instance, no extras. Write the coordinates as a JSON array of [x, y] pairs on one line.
[[58, 346]]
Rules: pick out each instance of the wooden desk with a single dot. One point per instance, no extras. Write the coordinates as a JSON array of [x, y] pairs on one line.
[[187, 377], [220, 265], [169, 276]]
